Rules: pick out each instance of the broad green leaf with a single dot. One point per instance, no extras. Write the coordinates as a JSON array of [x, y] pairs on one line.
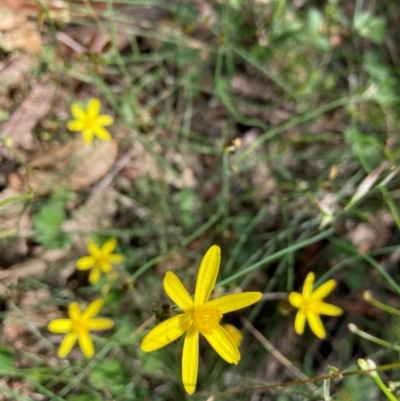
[[370, 27]]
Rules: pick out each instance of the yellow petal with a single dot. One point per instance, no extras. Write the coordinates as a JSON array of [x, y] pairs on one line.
[[300, 322], [85, 263], [165, 332], [101, 133], [234, 333], [93, 249], [116, 258], [76, 125], [308, 284], [190, 359], [108, 246], [60, 326], [87, 135], [93, 107], [295, 299], [77, 112], [229, 303], [74, 312], [324, 290], [94, 276], [93, 309], [104, 120], [86, 344], [207, 275], [100, 324], [177, 292], [223, 344], [67, 344], [329, 309], [316, 324]]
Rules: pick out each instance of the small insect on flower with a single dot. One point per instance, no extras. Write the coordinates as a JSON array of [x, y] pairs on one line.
[[200, 316], [100, 260], [310, 306], [89, 122], [77, 327], [162, 312]]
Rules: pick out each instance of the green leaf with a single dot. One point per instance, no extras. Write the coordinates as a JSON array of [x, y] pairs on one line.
[[47, 226], [355, 277], [6, 362], [360, 388], [111, 374], [83, 397], [151, 363], [376, 68], [370, 27], [188, 202], [314, 26]]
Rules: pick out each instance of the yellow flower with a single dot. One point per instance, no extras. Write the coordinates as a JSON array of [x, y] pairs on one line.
[[310, 306], [78, 326], [199, 316], [89, 122], [234, 333], [100, 259]]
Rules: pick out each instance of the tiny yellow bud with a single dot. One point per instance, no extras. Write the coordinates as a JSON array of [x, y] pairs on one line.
[[8, 141], [234, 333]]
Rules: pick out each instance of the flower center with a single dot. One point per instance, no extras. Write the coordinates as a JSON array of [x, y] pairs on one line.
[[206, 319], [80, 326], [90, 121], [102, 262], [311, 305]]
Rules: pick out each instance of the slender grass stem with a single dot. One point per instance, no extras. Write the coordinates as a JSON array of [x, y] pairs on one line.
[[276, 256]]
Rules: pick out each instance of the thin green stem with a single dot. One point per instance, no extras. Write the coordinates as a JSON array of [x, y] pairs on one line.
[[354, 329], [290, 124], [243, 238], [28, 195], [255, 63], [276, 256], [392, 206], [380, 305], [351, 249], [184, 243]]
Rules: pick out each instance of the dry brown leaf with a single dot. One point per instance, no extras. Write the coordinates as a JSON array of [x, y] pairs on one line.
[[13, 220], [144, 164], [95, 214], [56, 8], [259, 175], [29, 113], [255, 88], [373, 234], [82, 166], [82, 39], [14, 72], [17, 33], [33, 267], [45, 260], [171, 262], [32, 309], [53, 159]]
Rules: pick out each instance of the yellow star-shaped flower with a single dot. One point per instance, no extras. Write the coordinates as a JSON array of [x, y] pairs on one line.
[[100, 260], [78, 326], [199, 316], [89, 122], [310, 306]]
